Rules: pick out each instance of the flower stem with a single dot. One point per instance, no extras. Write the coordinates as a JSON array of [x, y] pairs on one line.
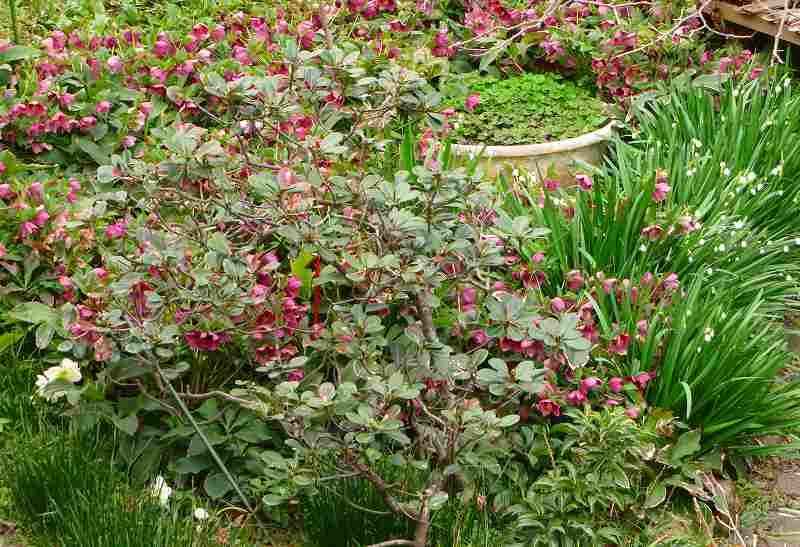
[[12, 8]]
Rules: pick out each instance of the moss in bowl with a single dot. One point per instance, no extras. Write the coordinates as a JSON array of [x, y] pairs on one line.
[[532, 108]]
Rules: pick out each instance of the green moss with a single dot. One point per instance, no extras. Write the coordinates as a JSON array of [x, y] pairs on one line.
[[532, 108]]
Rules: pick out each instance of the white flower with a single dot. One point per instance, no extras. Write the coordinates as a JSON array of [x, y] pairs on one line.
[[67, 371], [785, 248], [200, 514], [721, 248], [709, 334], [643, 248], [744, 243], [738, 225], [690, 172], [710, 271], [726, 172], [697, 143], [702, 242], [797, 241], [161, 490], [777, 170]]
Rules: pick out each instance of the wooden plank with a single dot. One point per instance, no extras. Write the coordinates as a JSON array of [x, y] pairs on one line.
[[730, 12]]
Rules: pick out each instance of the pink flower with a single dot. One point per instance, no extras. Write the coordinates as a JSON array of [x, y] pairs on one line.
[[660, 191], [590, 384], [162, 48], [472, 101], [724, 63], [87, 122], [585, 182], [632, 412], [576, 397], [575, 280], [218, 34], [28, 228], [114, 64], [206, 341], [100, 273], [2, 167], [2, 250], [653, 233], [670, 282], [41, 217], [756, 73], [538, 257], [615, 384], [146, 108], [479, 337], [550, 184], [200, 32], [687, 224], [620, 343], [557, 305], [705, 57], [548, 407], [128, 141], [641, 380], [36, 191], [296, 375], [293, 287], [102, 107], [642, 327], [117, 229]]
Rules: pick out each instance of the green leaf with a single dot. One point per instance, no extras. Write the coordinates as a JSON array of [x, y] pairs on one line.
[[301, 271], [217, 485], [127, 425], [219, 243], [100, 156], [18, 53], [687, 444], [656, 496], [508, 421], [44, 335], [192, 464], [34, 312]]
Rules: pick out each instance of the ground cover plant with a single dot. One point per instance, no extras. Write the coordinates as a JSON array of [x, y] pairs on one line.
[[532, 108], [237, 250]]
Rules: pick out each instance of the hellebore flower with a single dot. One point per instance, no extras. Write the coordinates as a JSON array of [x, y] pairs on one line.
[[576, 397], [620, 343], [67, 371], [472, 101], [206, 341], [590, 384], [615, 384], [161, 490], [585, 182], [549, 407], [660, 191]]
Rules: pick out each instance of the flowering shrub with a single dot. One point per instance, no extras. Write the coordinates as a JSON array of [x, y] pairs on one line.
[[261, 262]]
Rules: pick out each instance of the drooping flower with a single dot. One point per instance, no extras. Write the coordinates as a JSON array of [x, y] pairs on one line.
[[548, 407], [576, 397], [620, 343], [574, 280], [67, 371], [557, 305], [590, 384], [641, 380], [472, 101], [632, 412], [615, 384], [161, 490], [660, 191], [206, 341], [585, 182], [200, 514]]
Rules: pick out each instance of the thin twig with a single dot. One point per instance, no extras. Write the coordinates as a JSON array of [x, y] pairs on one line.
[[775, 56]]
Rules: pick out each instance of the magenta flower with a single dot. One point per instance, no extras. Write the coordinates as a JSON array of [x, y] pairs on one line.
[[590, 384], [100, 273], [2, 250], [28, 228], [162, 49], [557, 305], [576, 397], [293, 287], [670, 282], [653, 233], [87, 122], [472, 101], [479, 337], [128, 141], [585, 182], [200, 32], [296, 375], [575, 280], [660, 191], [206, 341], [114, 64], [641, 380], [218, 34], [620, 343], [102, 107], [117, 229], [632, 412], [642, 327], [41, 217], [615, 384], [756, 73], [2, 167], [550, 184], [36, 191], [548, 407], [538, 257], [724, 63], [6, 192]]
